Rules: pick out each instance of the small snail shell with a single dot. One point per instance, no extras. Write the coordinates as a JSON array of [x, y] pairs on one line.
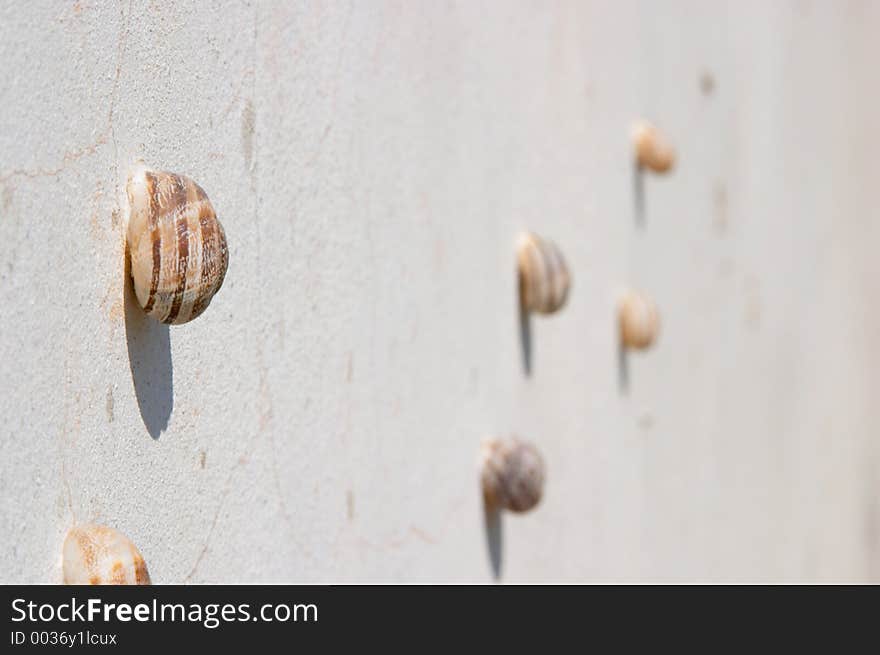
[[544, 279], [512, 474], [639, 320], [652, 150], [177, 246], [98, 555]]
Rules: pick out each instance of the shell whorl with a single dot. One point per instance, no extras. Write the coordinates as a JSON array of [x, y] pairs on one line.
[[512, 474], [652, 150], [98, 555], [177, 246], [544, 280], [639, 320]]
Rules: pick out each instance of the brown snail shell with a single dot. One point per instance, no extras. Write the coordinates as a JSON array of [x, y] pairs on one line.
[[639, 320], [512, 474], [653, 151], [544, 279], [177, 246], [98, 555]]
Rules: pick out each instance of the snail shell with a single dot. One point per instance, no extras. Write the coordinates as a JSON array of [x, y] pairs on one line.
[[177, 246], [639, 320], [544, 280], [652, 149], [512, 474], [98, 555]]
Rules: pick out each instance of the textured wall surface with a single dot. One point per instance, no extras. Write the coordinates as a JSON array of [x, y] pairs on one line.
[[372, 163]]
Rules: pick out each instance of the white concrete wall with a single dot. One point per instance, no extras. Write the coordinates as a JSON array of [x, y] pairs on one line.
[[372, 163]]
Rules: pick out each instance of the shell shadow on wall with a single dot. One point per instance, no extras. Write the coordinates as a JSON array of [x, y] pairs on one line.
[[653, 153], [512, 474], [638, 323], [544, 285], [149, 358], [176, 258]]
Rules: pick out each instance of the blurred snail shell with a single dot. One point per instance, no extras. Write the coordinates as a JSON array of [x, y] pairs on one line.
[[544, 279], [652, 149], [176, 244], [98, 555], [512, 474], [639, 320]]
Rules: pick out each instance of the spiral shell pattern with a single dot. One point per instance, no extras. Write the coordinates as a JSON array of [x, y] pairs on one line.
[[177, 246], [639, 320], [512, 474], [98, 555], [544, 280]]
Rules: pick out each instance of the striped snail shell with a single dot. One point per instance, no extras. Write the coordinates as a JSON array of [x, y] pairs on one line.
[[639, 320], [177, 246], [512, 474], [652, 150], [544, 280], [98, 555]]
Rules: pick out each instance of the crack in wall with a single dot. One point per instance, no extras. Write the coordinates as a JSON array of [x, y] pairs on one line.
[[107, 133], [415, 532]]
